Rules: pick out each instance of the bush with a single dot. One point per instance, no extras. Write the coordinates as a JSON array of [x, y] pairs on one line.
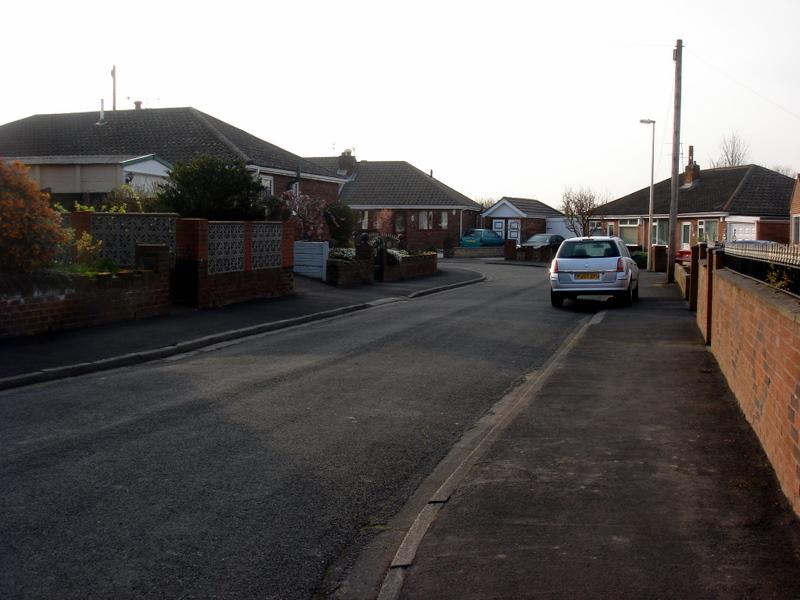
[[30, 230], [640, 258], [214, 189], [343, 254], [341, 221]]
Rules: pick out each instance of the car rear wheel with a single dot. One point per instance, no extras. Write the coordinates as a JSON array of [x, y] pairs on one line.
[[625, 298], [556, 299]]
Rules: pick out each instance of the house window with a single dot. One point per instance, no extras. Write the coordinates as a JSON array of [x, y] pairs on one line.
[[267, 183], [701, 231], [595, 227], [363, 219], [707, 231], [443, 221], [629, 231], [425, 219], [399, 223], [610, 229], [796, 229], [660, 231]]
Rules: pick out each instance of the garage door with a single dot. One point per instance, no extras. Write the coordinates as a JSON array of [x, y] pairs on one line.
[[741, 232]]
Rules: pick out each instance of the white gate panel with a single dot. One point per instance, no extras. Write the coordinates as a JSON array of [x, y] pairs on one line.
[[311, 259]]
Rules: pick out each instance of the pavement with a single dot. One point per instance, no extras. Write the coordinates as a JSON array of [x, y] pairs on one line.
[[623, 470], [56, 355]]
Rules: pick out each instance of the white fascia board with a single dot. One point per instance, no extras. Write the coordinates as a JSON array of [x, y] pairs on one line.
[[145, 158], [273, 171], [407, 207], [659, 216], [741, 219], [503, 204]]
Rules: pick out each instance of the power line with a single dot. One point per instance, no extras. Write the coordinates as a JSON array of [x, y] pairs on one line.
[[744, 85]]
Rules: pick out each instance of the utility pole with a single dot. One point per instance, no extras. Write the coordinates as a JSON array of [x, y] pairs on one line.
[[114, 87], [677, 56]]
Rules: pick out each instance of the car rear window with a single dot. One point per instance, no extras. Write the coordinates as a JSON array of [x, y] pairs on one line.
[[588, 249]]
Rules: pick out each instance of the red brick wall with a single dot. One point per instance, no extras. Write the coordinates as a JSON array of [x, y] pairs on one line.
[[774, 231], [311, 187], [755, 337], [411, 267], [421, 239], [229, 288], [42, 302]]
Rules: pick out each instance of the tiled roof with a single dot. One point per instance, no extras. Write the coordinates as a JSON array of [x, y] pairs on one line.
[[748, 190], [531, 207], [174, 134], [397, 184]]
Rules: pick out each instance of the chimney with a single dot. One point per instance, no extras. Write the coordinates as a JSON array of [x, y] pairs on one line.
[[102, 120], [137, 104], [692, 173], [347, 163]]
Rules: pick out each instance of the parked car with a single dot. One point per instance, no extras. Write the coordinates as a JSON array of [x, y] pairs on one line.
[[481, 237], [542, 240], [683, 256], [599, 265]]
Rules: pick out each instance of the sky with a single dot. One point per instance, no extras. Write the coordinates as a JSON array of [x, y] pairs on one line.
[[498, 98]]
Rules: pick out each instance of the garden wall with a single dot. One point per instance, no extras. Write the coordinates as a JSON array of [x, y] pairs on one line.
[[411, 267], [482, 252], [347, 273], [754, 332], [49, 301]]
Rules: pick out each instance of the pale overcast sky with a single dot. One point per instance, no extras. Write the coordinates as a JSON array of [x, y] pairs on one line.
[[498, 98]]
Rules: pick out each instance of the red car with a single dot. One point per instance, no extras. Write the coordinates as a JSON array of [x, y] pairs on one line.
[[683, 256]]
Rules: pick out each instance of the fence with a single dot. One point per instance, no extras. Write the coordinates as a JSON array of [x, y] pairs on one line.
[[311, 259], [121, 232], [775, 264]]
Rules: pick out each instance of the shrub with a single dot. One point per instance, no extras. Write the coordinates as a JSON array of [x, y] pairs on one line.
[[640, 258], [211, 188], [341, 221], [30, 230], [343, 254]]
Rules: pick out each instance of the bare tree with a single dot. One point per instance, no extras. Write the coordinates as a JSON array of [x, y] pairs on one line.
[[578, 206], [486, 203], [733, 151], [785, 170]]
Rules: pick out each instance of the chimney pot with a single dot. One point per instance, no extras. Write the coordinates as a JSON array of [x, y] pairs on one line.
[[137, 104], [347, 163]]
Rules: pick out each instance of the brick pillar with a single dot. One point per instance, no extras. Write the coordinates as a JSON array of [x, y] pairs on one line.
[[694, 277], [510, 250], [287, 246], [714, 262]]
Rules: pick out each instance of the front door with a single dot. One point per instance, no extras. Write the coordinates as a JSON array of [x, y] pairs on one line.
[[686, 234]]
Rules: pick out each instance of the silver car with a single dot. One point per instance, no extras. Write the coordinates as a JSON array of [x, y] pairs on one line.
[[594, 265]]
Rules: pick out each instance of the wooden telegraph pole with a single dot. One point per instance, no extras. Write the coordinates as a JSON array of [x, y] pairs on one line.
[[676, 143]]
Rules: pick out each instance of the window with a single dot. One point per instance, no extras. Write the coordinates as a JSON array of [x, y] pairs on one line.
[[595, 227], [629, 230], [701, 231], [589, 249], [711, 231], [399, 223], [267, 183], [443, 221], [363, 219], [660, 231], [610, 229], [426, 219]]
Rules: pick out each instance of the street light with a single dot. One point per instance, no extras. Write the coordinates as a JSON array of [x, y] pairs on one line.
[[650, 263]]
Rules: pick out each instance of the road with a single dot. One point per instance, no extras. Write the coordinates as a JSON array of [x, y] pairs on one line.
[[249, 470]]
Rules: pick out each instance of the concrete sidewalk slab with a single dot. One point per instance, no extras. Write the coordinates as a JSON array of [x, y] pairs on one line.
[[45, 357], [631, 474]]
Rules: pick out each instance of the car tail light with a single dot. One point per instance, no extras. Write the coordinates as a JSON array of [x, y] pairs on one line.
[[620, 265], [554, 268]]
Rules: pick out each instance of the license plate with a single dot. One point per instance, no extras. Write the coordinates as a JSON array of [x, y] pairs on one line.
[[587, 275]]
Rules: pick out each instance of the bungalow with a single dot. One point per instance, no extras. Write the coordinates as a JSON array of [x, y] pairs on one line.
[[397, 198], [83, 156], [746, 202], [520, 218]]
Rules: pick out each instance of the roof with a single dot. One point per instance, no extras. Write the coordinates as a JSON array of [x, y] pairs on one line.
[[747, 190], [396, 184], [529, 207], [174, 134]]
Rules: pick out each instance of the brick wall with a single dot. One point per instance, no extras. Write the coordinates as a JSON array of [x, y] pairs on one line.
[[755, 337], [50, 301], [774, 231], [410, 268], [311, 187], [193, 284], [795, 206], [347, 273]]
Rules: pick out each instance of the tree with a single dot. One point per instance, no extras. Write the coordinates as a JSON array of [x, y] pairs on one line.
[[578, 206], [212, 188], [309, 213], [486, 203], [30, 230], [341, 221], [733, 151], [785, 170]]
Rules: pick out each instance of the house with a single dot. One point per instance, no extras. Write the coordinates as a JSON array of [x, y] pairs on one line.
[[794, 212], [397, 198], [83, 156], [520, 218], [746, 202]]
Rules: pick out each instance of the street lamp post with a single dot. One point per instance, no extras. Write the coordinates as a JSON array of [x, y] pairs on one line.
[[650, 263]]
